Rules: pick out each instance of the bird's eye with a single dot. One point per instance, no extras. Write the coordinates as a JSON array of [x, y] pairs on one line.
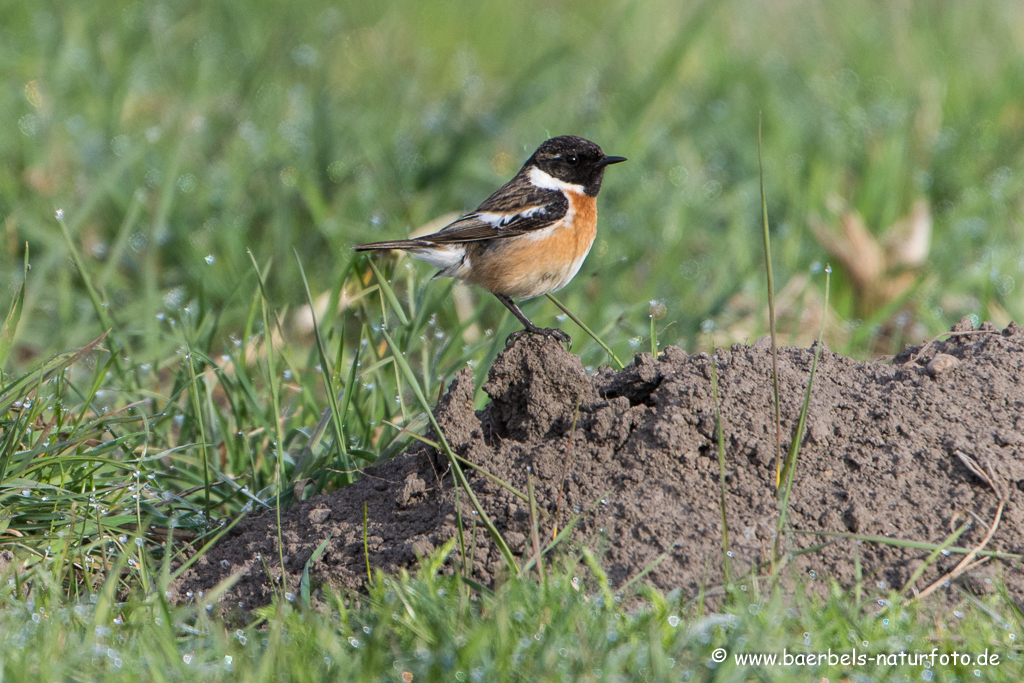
[[572, 160]]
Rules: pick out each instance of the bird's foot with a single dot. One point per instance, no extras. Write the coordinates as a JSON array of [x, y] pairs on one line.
[[544, 331]]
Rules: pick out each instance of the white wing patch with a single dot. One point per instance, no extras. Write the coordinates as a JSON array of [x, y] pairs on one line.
[[546, 181], [500, 220]]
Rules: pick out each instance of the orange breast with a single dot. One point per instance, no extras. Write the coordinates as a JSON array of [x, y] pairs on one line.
[[530, 265]]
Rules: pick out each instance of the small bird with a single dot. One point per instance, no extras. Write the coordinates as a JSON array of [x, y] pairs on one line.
[[528, 238]]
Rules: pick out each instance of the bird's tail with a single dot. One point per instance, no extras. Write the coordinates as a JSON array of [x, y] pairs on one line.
[[394, 244]]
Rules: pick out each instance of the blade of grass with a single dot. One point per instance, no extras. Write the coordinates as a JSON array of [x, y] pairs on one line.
[[968, 560], [535, 530], [209, 544], [198, 408], [600, 575], [460, 531], [721, 468], [858, 575], [101, 311], [56, 364], [304, 581], [794, 446], [460, 476], [647, 569], [654, 338], [275, 400], [906, 543], [366, 542], [564, 533], [468, 463], [950, 540], [325, 372], [586, 329], [13, 316], [389, 293], [771, 310]]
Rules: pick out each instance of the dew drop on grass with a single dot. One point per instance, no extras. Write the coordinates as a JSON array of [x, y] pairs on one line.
[[657, 309], [673, 621], [59, 214]]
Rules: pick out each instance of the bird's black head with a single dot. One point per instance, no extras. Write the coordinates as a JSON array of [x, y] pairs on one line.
[[573, 160]]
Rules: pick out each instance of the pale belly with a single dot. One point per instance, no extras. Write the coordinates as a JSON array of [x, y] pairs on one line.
[[529, 266]]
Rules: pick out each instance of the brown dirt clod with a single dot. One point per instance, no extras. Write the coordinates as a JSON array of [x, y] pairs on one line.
[[879, 458]]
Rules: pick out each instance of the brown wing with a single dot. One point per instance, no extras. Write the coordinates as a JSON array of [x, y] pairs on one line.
[[517, 208]]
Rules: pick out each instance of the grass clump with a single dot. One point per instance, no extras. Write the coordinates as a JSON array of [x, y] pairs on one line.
[[428, 626]]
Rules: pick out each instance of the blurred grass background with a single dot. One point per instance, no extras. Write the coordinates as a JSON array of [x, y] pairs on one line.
[[174, 139], [175, 136]]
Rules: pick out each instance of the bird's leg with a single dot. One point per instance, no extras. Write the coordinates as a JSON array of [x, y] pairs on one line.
[[530, 327]]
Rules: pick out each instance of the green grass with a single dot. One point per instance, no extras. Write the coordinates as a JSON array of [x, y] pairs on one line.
[[212, 163], [434, 628]]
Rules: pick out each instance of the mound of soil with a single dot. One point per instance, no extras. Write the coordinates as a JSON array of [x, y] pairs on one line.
[[885, 453]]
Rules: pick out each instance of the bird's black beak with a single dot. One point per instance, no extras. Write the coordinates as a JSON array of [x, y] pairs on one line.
[[608, 161]]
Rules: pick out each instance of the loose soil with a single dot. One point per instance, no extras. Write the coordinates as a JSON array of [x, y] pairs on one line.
[[883, 455]]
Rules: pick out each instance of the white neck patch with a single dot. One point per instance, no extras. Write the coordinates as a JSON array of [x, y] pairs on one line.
[[546, 181]]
